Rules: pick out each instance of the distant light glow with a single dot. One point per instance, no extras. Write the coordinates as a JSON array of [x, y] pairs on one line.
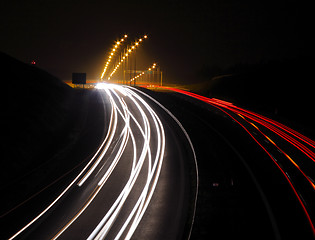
[[128, 50], [118, 43], [101, 85], [142, 73]]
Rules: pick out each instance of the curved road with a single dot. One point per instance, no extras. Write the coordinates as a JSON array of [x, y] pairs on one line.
[[261, 171], [137, 184]]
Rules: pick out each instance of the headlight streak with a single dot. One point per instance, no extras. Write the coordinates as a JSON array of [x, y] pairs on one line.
[[125, 134], [153, 173], [281, 130], [110, 216], [106, 175], [149, 124], [108, 140], [157, 164], [104, 226], [120, 200], [63, 193], [191, 146], [101, 183]]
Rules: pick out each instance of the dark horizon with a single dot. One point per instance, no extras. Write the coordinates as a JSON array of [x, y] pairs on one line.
[[65, 37]]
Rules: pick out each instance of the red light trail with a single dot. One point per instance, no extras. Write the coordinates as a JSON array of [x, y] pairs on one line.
[[302, 143]]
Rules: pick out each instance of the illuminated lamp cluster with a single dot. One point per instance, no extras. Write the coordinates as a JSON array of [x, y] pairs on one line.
[[111, 55], [128, 52], [141, 74]]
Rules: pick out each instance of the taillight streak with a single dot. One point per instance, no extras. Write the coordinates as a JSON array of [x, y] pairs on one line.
[[279, 129]]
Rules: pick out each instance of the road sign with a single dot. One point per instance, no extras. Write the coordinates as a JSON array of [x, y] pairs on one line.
[[79, 78]]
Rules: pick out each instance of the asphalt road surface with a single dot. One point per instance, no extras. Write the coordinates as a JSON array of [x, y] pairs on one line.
[[256, 174], [138, 184]]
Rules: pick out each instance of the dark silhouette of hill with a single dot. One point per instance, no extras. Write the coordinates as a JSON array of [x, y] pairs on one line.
[[35, 106], [49, 131], [280, 89]]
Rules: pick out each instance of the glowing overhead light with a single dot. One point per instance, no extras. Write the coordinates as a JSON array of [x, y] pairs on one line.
[[111, 54], [128, 51], [142, 73]]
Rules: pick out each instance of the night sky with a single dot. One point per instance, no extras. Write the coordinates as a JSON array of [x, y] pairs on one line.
[[76, 36]]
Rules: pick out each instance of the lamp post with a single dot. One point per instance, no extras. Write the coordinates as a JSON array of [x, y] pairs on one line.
[[161, 78], [125, 60], [135, 71]]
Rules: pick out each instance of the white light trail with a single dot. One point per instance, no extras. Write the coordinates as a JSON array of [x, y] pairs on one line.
[[61, 195], [154, 168], [130, 115]]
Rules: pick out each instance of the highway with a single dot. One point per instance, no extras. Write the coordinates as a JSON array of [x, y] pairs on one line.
[[254, 177], [137, 184], [279, 161]]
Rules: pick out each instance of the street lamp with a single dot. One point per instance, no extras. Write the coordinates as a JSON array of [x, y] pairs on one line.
[[129, 50], [118, 43]]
